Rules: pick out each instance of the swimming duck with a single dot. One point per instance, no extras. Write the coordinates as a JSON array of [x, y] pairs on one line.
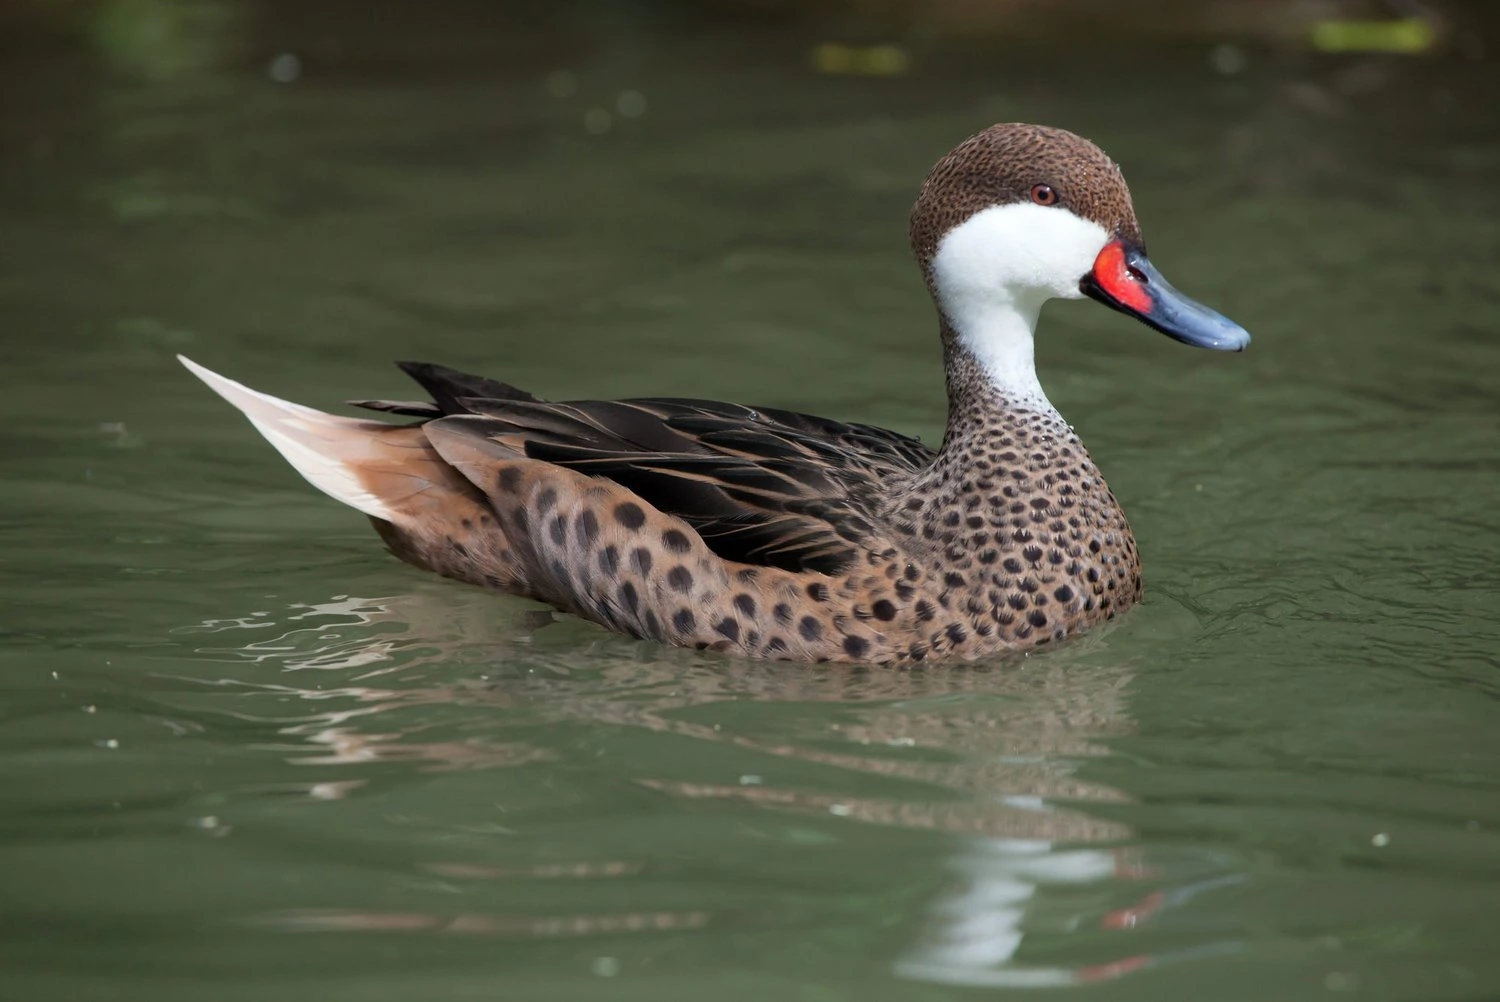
[[777, 534]]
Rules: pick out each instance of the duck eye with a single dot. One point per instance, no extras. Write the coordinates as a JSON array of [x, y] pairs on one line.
[[1043, 194]]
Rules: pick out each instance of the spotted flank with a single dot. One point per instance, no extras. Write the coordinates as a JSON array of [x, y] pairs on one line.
[[776, 534]]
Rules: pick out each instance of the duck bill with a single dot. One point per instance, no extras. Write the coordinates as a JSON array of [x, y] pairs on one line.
[[1125, 279]]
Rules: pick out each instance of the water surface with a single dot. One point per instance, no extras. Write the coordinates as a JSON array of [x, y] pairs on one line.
[[247, 755]]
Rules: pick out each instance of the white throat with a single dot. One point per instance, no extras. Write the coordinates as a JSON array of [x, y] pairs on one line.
[[994, 271]]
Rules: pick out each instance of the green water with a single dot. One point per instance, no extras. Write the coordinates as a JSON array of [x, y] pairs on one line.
[[246, 755]]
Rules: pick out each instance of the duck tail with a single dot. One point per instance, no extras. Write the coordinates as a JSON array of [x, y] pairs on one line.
[[425, 509], [386, 471]]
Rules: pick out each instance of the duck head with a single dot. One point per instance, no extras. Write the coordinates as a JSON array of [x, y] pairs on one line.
[[1020, 214]]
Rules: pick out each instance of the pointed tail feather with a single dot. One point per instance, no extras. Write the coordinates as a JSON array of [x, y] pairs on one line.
[[326, 449]]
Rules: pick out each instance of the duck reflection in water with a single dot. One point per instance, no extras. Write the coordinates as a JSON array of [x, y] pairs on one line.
[[997, 748]]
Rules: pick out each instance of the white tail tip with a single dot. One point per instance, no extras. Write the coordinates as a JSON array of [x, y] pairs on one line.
[[322, 447]]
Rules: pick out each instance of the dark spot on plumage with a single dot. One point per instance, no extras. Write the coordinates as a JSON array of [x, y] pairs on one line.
[[653, 625], [748, 575], [609, 561], [586, 525], [629, 515], [1016, 601], [914, 504], [509, 480], [683, 620], [1032, 554], [817, 591], [745, 604], [916, 652], [1063, 594], [680, 579], [891, 570], [953, 579], [952, 519], [855, 647], [1022, 536], [776, 645], [810, 628], [467, 523], [1094, 546], [957, 634], [676, 541], [925, 611], [728, 627], [630, 597], [546, 500], [1093, 574], [884, 610], [640, 560], [783, 613], [558, 530], [905, 589], [1037, 618]]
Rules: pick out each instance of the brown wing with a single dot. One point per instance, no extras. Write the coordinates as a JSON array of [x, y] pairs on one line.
[[761, 486]]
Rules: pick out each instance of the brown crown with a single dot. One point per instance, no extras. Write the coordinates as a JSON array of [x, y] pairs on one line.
[[1002, 165]]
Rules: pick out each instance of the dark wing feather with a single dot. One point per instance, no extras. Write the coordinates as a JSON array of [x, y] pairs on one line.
[[760, 486]]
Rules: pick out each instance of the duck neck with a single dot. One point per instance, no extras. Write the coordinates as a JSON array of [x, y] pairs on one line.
[[990, 360]]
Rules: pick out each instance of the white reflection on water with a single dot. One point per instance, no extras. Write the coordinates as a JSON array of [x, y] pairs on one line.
[[976, 929]]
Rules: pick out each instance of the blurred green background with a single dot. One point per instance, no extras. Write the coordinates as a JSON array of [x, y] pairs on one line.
[[245, 754]]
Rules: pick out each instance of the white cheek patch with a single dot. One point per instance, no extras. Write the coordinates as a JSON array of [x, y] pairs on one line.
[[1016, 249], [994, 271]]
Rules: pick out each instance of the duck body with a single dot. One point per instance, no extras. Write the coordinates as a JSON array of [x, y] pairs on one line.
[[775, 534]]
